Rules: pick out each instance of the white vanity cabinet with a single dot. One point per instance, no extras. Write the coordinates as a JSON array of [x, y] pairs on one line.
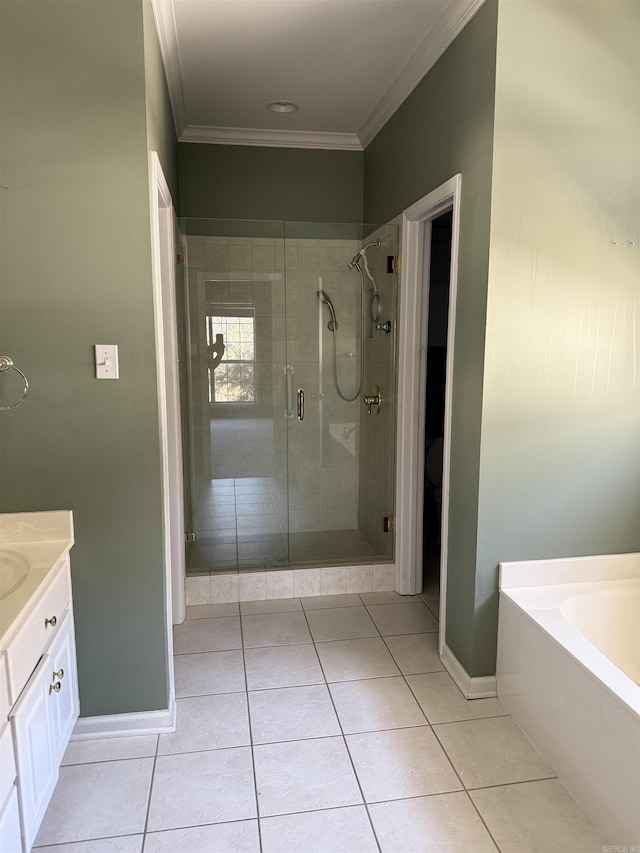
[[9, 809], [33, 732], [43, 692]]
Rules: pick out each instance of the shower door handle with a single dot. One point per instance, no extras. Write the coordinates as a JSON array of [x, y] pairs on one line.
[[288, 371], [300, 404]]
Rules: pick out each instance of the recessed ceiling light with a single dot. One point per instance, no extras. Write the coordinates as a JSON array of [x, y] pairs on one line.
[[282, 107]]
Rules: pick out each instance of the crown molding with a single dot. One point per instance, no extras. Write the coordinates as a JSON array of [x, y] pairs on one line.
[[164, 17], [270, 138], [452, 21]]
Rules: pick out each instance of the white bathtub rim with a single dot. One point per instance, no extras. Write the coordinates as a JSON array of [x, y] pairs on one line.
[[582, 651], [564, 570]]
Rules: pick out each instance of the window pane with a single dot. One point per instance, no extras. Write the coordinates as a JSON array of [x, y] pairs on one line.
[[234, 383], [233, 380]]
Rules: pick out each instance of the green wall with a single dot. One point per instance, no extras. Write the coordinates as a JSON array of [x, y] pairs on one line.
[[247, 182], [76, 270], [444, 127], [560, 463]]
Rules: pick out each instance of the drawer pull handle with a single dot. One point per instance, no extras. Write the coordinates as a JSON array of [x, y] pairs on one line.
[[53, 622], [59, 673], [55, 688]]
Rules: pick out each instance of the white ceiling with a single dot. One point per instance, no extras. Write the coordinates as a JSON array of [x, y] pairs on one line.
[[349, 64]]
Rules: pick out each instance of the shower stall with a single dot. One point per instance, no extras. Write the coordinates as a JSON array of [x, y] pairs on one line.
[[288, 377]]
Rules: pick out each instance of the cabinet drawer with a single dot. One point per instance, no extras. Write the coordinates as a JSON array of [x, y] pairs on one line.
[[37, 633]]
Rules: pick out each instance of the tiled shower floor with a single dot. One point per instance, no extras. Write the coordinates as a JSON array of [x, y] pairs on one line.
[[316, 725], [238, 525]]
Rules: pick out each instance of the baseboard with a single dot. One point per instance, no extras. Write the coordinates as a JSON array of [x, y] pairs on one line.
[[126, 725], [482, 687]]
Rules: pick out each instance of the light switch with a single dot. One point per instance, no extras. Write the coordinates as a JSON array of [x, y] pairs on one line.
[[106, 361]]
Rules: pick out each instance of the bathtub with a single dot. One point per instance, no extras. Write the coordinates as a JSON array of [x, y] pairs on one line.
[[568, 670]]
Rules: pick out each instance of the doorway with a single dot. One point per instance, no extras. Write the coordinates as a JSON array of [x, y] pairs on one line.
[[412, 431], [435, 394]]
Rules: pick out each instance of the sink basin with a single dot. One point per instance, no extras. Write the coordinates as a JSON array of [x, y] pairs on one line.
[[14, 569]]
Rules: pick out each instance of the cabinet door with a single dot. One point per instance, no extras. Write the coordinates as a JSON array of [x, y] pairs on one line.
[[10, 838], [32, 723], [64, 697]]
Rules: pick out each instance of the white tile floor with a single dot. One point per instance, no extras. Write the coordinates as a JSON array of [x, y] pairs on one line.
[[321, 726]]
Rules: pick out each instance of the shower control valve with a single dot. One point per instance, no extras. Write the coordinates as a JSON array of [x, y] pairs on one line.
[[384, 327], [373, 400]]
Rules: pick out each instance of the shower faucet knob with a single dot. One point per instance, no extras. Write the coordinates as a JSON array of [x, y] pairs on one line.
[[384, 327]]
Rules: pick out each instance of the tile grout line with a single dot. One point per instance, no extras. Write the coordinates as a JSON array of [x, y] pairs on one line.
[[442, 747], [253, 757], [151, 781], [428, 723], [466, 792], [235, 518], [344, 741]]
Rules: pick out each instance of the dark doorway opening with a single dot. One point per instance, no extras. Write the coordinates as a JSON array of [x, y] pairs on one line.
[[439, 280]]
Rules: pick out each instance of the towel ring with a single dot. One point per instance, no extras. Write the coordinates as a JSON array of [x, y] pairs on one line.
[[6, 363]]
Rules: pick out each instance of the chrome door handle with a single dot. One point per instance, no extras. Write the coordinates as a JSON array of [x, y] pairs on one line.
[[300, 404]]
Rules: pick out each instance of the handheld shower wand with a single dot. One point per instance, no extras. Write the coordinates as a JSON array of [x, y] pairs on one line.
[[356, 263], [323, 296]]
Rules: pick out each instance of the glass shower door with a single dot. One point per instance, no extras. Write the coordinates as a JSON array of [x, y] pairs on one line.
[[290, 328], [341, 452], [237, 392]]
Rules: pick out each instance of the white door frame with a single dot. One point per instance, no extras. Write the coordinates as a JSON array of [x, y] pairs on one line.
[[164, 308], [413, 327]]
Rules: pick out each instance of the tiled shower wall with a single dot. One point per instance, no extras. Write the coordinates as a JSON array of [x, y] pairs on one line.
[[323, 459], [377, 431]]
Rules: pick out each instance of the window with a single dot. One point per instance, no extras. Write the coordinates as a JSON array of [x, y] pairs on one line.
[[232, 379]]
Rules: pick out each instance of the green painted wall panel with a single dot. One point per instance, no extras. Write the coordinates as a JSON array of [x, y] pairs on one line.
[[560, 462], [76, 270], [250, 182], [444, 127]]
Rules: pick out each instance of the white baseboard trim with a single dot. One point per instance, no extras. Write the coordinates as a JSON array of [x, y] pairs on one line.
[[482, 687], [126, 725]]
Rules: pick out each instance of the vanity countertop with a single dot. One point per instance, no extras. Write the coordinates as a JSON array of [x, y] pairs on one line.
[[42, 539]]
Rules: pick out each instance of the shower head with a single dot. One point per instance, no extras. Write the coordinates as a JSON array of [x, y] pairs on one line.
[[324, 297], [354, 263]]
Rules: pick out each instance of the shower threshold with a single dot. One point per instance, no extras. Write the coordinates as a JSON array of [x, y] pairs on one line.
[[253, 552]]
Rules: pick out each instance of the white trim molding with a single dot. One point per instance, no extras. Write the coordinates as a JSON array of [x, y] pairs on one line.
[[449, 25], [482, 687], [412, 379], [270, 138], [126, 725], [456, 15], [164, 17]]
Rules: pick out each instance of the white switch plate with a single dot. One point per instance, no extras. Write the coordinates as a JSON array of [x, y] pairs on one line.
[[106, 361]]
